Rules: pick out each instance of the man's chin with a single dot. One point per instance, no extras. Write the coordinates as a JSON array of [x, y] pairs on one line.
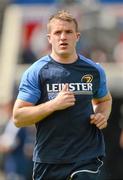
[[64, 54]]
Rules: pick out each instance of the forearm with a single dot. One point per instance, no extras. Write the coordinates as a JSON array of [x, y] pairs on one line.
[[29, 115], [104, 108], [121, 139]]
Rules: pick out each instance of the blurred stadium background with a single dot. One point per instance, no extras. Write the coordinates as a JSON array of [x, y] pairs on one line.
[[23, 41]]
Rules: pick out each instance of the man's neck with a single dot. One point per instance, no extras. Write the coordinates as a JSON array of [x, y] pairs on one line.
[[65, 59]]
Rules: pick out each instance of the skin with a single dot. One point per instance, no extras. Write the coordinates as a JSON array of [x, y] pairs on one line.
[[63, 38], [121, 139], [102, 111]]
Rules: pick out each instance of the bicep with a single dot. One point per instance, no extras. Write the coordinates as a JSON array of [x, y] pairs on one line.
[[20, 104], [106, 98]]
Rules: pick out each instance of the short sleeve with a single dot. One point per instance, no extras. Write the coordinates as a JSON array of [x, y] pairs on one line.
[[29, 87], [103, 88]]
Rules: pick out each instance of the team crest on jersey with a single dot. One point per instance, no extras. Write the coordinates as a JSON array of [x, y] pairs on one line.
[[88, 78]]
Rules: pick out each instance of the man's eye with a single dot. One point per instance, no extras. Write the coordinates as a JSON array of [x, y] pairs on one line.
[[57, 32], [68, 32]]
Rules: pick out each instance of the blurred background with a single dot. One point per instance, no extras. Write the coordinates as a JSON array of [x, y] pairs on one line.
[[23, 40]]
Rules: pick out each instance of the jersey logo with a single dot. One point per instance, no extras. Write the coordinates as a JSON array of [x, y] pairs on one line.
[[88, 78], [84, 87]]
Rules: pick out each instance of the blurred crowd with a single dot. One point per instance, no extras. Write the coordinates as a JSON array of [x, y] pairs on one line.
[[16, 147], [100, 44]]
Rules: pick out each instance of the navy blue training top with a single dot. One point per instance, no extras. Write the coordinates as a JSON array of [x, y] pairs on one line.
[[65, 136]]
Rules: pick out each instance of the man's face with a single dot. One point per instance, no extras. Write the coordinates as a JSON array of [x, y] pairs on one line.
[[63, 38]]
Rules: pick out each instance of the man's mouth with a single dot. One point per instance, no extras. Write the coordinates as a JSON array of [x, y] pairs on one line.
[[63, 44]]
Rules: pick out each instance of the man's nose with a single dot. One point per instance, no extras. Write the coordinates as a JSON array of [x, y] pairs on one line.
[[63, 35]]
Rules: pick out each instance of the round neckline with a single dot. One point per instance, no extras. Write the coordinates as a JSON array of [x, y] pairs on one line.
[[65, 64]]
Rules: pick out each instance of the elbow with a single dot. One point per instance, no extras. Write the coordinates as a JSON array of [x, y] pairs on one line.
[[16, 122]]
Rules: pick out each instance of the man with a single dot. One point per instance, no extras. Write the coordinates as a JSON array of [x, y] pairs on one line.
[[66, 96]]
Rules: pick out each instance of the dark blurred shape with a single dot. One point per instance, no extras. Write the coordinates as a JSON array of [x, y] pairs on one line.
[[16, 145], [114, 157]]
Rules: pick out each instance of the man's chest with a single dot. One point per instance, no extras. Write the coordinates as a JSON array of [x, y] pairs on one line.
[[80, 80]]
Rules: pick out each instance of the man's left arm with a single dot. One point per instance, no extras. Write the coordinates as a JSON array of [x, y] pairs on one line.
[[102, 109]]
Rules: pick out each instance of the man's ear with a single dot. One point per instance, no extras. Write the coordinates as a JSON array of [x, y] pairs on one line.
[[78, 36], [48, 37]]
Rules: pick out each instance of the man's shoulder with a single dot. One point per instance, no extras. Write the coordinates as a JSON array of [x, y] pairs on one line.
[[41, 61], [36, 67], [39, 64], [91, 63]]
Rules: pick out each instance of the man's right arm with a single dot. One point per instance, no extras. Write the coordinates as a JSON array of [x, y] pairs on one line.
[[26, 113]]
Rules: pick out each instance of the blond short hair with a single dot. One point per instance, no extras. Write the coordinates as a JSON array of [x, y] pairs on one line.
[[64, 16]]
